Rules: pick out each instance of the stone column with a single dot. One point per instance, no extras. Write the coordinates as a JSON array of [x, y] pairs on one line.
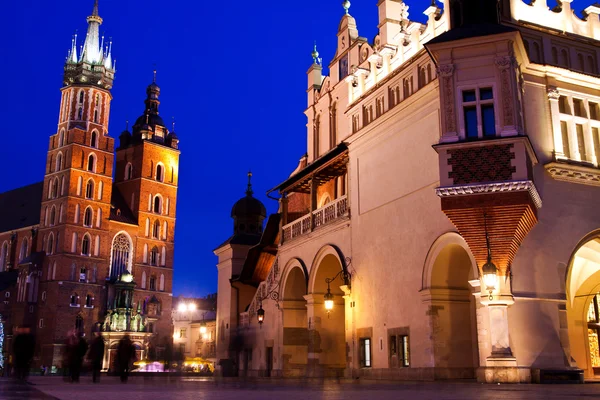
[[501, 365], [553, 97]]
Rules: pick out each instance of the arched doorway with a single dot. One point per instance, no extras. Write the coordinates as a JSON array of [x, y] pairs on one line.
[[452, 308], [295, 320], [326, 331], [583, 300]]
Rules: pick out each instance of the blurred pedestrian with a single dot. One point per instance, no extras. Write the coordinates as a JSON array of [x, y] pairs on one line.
[[23, 347], [96, 356], [76, 347], [125, 357]]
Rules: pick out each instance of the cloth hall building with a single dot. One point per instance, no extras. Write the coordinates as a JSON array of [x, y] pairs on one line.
[[91, 247], [442, 223]]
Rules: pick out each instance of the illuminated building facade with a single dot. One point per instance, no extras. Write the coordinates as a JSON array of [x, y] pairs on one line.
[[194, 328], [90, 248], [444, 210]]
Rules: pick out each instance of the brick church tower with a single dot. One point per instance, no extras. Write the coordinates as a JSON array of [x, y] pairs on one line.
[[101, 259]]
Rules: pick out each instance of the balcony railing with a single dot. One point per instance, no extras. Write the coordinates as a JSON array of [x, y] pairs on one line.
[[323, 216]]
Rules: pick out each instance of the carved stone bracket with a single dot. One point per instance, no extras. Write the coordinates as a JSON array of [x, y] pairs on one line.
[[512, 186], [552, 92], [574, 173]]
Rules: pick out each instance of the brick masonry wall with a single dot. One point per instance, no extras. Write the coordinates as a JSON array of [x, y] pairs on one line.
[[481, 164]]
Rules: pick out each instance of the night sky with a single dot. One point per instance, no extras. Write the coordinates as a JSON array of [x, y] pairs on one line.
[[232, 73]]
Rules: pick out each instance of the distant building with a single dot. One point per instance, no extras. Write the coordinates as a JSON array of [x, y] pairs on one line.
[[194, 329], [90, 249], [443, 223]]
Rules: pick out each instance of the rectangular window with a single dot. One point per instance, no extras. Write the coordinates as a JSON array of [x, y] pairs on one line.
[[405, 350], [578, 108], [563, 105], [478, 113], [565, 139], [596, 138], [581, 142], [488, 120], [182, 333], [365, 352], [594, 114], [471, 122]]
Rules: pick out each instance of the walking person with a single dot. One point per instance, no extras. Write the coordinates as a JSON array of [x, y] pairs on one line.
[[96, 356], [125, 356], [23, 347]]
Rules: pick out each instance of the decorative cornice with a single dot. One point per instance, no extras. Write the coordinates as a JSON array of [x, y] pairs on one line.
[[574, 173], [495, 187]]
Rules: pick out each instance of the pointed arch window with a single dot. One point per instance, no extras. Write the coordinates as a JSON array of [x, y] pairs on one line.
[[61, 138], [128, 171], [79, 324], [24, 249], [145, 254], [88, 217], [157, 204], [160, 172], [86, 244], [62, 186], [164, 232], [163, 257], [91, 165], [3, 256], [59, 162], [121, 255], [89, 189], [154, 256], [50, 244], [152, 282], [98, 218], [156, 230], [161, 283], [94, 138], [52, 216], [144, 280]]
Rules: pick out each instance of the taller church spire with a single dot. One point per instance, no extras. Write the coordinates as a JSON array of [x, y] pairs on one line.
[[99, 69]]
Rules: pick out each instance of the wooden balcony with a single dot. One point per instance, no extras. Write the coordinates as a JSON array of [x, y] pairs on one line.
[[318, 218], [494, 177]]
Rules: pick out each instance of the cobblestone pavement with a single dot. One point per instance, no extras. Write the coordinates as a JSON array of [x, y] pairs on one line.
[[159, 388]]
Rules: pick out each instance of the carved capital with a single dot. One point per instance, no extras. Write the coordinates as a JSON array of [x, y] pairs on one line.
[[505, 62], [553, 93], [445, 70]]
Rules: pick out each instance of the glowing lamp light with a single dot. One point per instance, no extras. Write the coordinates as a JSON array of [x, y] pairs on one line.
[[328, 300], [203, 329], [192, 306], [490, 276], [182, 307], [126, 277], [260, 315]]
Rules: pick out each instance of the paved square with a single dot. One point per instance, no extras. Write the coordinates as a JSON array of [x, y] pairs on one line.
[[159, 388]]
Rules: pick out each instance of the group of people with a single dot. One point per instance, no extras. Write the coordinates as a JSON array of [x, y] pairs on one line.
[[76, 349]]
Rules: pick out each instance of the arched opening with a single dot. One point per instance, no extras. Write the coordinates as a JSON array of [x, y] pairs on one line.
[[89, 189], [121, 255], [91, 165], [326, 331], [583, 299], [157, 204], [59, 162], [88, 217], [295, 331], [160, 172], [156, 230], [128, 171], [86, 244], [94, 139], [452, 308]]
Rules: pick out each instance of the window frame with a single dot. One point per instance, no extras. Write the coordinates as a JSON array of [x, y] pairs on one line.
[[478, 103], [364, 361]]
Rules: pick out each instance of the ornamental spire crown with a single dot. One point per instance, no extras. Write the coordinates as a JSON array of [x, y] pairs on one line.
[[94, 64]]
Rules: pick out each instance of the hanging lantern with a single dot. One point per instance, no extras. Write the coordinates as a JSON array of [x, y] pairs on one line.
[[328, 300], [260, 315], [490, 276]]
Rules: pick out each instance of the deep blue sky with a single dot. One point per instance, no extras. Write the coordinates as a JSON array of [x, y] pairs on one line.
[[231, 73]]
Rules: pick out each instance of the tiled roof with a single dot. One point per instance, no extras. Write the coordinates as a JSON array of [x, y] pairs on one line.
[[21, 207], [119, 210]]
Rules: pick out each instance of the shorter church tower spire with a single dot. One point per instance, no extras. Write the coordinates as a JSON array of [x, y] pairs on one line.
[[249, 191]]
